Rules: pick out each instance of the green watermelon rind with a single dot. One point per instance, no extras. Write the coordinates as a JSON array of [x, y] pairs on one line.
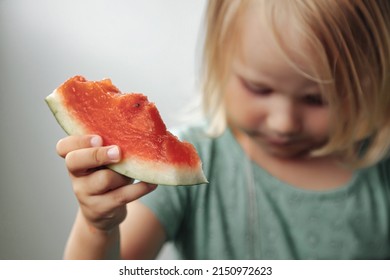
[[147, 171]]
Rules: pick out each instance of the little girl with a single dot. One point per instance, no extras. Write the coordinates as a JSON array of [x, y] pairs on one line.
[[295, 145]]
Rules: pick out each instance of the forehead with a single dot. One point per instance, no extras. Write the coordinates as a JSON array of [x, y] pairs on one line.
[[270, 40]]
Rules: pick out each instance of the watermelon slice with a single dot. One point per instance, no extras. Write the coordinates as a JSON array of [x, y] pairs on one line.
[[150, 153]]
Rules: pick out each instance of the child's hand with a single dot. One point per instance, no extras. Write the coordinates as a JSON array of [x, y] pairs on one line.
[[101, 192]]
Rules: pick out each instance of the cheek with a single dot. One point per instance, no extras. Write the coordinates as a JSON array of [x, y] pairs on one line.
[[241, 108], [319, 124], [253, 117]]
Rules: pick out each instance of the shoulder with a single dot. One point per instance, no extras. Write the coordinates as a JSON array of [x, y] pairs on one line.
[[170, 204], [384, 170], [379, 174], [197, 135], [194, 133]]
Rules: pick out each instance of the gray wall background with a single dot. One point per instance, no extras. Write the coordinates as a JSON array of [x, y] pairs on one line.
[[148, 46]]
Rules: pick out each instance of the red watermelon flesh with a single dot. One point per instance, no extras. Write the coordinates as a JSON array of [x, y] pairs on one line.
[[150, 153]]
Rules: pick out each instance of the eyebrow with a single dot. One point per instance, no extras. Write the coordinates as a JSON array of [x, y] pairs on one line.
[[253, 82], [311, 87]]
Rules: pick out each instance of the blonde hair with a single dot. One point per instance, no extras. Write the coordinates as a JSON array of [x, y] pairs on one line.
[[351, 62]]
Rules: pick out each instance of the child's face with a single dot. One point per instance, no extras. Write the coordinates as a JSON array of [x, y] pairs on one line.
[[269, 101]]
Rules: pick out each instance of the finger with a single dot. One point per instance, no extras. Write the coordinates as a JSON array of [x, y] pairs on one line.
[[75, 142], [123, 195], [100, 182], [83, 161]]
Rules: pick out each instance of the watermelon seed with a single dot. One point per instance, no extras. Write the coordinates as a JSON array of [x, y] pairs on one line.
[[136, 105]]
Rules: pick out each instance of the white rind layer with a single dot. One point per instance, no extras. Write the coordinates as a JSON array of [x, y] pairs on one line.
[[147, 171]]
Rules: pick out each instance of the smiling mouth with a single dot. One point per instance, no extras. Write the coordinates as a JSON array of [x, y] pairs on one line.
[[274, 141], [279, 141]]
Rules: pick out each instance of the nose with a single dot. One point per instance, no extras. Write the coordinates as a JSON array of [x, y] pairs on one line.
[[283, 119]]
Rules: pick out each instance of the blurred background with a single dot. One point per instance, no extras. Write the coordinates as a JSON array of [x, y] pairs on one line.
[[150, 46]]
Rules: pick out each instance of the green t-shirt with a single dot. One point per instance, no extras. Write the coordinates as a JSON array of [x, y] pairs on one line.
[[246, 213]]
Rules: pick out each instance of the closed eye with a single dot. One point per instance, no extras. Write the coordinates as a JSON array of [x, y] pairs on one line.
[[257, 89], [314, 100]]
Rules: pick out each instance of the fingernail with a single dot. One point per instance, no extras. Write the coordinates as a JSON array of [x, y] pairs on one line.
[[113, 153], [96, 141]]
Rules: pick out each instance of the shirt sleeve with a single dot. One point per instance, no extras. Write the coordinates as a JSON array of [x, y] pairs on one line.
[[170, 203], [384, 169]]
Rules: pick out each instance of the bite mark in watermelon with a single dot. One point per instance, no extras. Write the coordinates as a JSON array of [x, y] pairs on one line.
[[150, 153]]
